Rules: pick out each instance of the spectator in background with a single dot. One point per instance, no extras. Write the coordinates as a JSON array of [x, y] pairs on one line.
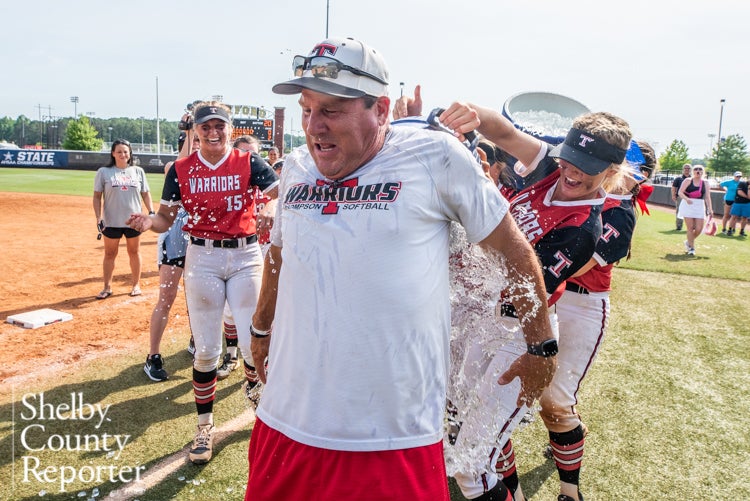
[[730, 192], [171, 248], [740, 208], [695, 194], [496, 158], [247, 142], [675, 188], [118, 190], [273, 156]]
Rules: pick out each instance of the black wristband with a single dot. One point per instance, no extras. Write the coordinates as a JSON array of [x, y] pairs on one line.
[[257, 333], [151, 213], [545, 349]]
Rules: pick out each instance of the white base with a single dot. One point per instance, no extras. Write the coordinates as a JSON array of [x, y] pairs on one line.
[[39, 318]]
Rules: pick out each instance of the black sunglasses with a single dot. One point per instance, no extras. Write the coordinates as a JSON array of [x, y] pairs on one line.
[[326, 67]]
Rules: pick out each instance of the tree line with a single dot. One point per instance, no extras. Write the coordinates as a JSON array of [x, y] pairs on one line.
[[89, 133], [85, 133], [729, 155]]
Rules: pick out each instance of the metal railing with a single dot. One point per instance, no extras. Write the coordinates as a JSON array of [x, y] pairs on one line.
[[667, 177], [166, 149]]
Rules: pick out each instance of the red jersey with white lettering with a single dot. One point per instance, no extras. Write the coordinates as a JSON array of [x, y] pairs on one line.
[[218, 198], [618, 224], [563, 234]]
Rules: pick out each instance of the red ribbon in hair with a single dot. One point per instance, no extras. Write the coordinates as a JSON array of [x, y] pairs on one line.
[[643, 194]]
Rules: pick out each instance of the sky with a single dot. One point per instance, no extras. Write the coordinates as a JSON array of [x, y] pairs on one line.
[[662, 65]]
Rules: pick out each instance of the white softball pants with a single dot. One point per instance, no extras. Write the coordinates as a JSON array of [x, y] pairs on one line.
[[487, 410], [212, 277], [583, 320]]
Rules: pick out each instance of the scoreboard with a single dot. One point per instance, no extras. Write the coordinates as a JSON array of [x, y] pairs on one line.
[[262, 128]]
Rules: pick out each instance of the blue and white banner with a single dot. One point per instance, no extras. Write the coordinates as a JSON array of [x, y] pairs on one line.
[[33, 158]]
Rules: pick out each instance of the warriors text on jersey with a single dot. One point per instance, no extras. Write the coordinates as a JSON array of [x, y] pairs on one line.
[[218, 198]]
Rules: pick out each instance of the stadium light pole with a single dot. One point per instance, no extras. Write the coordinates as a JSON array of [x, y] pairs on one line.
[[328, 8], [74, 100], [54, 136], [718, 138]]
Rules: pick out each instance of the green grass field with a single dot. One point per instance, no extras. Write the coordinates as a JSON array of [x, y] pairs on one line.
[[666, 402], [60, 182]]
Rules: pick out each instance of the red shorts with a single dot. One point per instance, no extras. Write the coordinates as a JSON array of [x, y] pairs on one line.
[[281, 468]]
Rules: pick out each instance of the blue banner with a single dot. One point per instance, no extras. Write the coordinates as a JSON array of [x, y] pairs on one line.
[[33, 158]]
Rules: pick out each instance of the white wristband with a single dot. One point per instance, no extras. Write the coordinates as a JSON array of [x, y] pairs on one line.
[[258, 333]]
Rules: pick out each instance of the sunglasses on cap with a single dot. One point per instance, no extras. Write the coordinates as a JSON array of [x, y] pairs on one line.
[[326, 67]]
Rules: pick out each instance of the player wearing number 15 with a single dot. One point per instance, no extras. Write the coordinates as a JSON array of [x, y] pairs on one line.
[[223, 263]]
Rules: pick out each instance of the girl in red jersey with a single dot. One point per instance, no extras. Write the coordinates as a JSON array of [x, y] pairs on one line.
[[224, 262], [557, 202], [583, 315]]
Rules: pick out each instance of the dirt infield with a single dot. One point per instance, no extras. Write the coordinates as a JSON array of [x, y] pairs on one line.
[[51, 259]]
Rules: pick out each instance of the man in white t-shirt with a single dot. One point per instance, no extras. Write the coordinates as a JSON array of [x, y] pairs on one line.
[[354, 403]]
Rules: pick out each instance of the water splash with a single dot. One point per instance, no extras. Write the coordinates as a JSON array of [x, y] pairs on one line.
[[478, 279]]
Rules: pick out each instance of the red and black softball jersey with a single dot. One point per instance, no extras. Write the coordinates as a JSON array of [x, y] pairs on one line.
[[618, 224], [563, 234], [219, 198]]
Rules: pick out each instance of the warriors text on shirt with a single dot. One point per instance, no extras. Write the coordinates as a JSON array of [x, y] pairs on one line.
[[370, 196], [214, 184]]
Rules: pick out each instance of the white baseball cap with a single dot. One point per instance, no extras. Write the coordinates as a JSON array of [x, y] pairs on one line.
[[341, 67], [738, 174]]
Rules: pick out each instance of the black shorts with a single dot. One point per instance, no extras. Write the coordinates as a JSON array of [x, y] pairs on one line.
[[118, 233], [178, 261], [729, 202]]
